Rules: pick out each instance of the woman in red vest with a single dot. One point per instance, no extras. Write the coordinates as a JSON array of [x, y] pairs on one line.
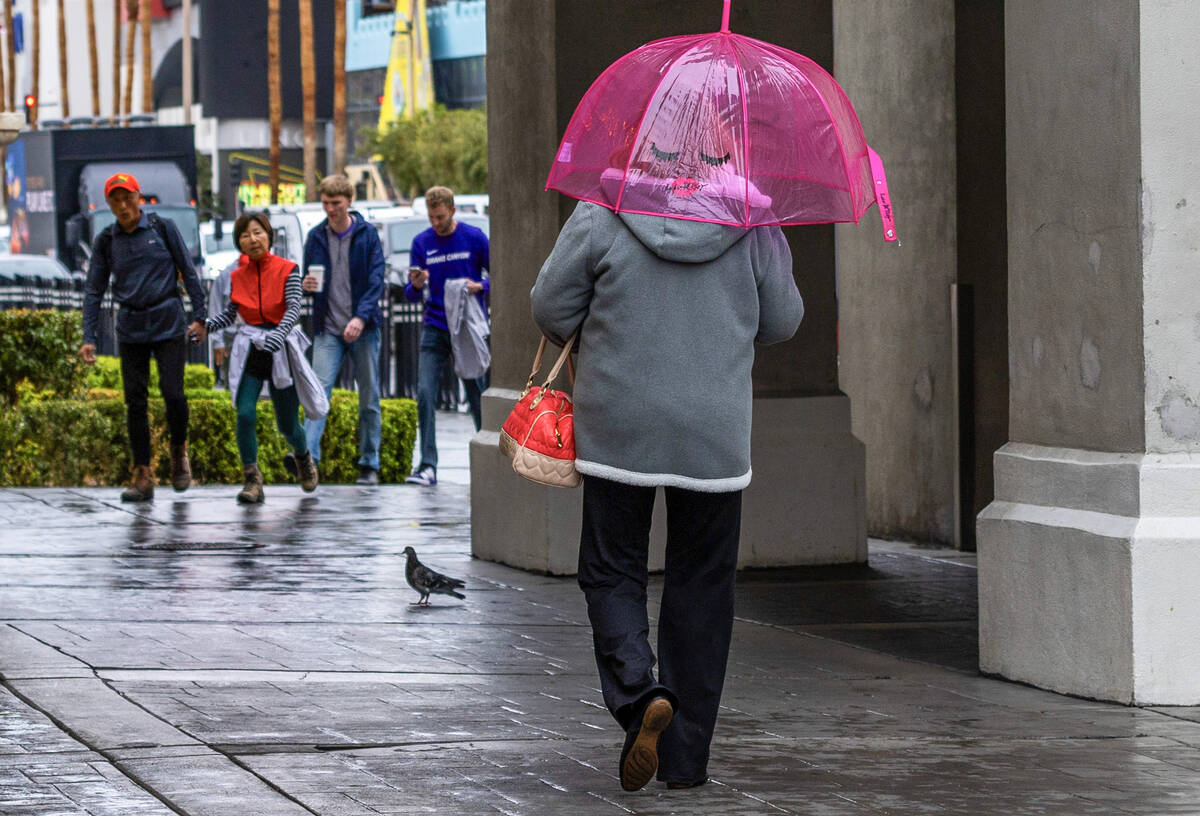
[[266, 296]]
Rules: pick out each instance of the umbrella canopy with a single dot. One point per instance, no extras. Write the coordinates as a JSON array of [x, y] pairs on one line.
[[720, 128]]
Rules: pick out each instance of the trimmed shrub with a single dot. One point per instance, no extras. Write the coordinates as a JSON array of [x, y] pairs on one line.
[[59, 442], [106, 373], [41, 347]]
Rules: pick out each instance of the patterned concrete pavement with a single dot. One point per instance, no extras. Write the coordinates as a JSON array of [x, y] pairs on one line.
[[193, 656]]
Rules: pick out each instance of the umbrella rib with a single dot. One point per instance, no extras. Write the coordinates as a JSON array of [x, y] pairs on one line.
[[745, 128], [786, 56], [642, 121], [576, 112]]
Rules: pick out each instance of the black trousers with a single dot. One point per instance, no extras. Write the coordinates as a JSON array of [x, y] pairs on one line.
[[695, 620], [171, 356]]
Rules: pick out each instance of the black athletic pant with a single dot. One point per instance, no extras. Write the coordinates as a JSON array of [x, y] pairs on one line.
[[171, 356], [695, 620]]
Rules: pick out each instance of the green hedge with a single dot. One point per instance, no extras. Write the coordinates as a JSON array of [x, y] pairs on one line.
[[57, 442], [106, 373], [63, 423], [39, 351]]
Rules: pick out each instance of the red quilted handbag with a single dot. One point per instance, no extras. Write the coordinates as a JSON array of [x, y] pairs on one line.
[[539, 433]]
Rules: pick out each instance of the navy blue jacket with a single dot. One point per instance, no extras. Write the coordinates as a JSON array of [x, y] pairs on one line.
[[367, 271], [145, 277]]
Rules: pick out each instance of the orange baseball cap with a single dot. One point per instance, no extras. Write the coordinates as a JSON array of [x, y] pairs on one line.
[[122, 181]]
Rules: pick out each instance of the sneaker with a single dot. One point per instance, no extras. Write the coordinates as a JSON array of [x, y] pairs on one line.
[[290, 465], [367, 476], [425, 477]]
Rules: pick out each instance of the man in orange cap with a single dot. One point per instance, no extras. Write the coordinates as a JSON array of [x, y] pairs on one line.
[[145, 256]]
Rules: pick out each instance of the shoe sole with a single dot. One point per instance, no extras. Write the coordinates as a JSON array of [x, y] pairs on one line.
[[642, 760]]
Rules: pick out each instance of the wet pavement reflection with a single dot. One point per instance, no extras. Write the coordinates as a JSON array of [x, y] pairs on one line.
[[196, 656]]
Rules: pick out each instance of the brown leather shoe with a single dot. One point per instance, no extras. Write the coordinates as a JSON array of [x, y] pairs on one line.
[[252, 492], [308, 472], [181, 468], [639, 757], [141, 487]]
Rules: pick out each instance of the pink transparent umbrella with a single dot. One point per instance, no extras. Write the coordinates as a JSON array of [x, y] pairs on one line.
[[721, 128]]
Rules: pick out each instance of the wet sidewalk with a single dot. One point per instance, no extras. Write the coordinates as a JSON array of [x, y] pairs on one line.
[[193, 656]]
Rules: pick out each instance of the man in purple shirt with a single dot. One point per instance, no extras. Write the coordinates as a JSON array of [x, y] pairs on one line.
[[449, 249]]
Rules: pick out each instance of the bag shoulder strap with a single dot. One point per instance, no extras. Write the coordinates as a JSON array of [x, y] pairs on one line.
[[563, 357]]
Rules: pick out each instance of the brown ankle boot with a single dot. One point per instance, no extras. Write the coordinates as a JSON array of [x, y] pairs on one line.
[[181, 468], [308, 472], [141, 487], [252, 493]]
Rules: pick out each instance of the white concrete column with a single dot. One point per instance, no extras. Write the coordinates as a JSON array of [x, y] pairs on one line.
[[1089, 559]]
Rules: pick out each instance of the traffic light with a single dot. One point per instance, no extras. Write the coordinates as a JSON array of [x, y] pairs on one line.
[[30, 104], [235, 181]]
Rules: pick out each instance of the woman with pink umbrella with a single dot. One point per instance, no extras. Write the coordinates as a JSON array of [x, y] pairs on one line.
[[687, 154]]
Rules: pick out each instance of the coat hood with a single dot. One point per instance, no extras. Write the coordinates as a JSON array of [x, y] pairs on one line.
[[682, 241]]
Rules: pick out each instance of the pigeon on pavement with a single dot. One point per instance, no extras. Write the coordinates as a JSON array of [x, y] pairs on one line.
[[424, 580]]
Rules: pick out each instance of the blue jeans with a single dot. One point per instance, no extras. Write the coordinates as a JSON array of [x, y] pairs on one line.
[[434, 356], [328, 351]]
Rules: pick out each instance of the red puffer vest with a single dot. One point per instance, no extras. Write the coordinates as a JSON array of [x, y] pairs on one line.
[[258, 289]]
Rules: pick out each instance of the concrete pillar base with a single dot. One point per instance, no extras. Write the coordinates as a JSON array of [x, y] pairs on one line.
[[1089, 574], [805, 505]]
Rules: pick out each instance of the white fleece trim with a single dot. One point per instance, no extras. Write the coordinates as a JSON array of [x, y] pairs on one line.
[[632, 477]]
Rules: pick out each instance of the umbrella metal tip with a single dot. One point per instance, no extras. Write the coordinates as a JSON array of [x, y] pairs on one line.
[[725, 18]]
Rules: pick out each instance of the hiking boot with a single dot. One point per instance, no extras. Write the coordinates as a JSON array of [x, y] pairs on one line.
[[141, 487], [252, 493], [367, 476], [308, 472], [639, 757], [181, 468]]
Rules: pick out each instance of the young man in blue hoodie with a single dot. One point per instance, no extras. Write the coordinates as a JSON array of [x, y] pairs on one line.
[[448, 249], [346, 315]]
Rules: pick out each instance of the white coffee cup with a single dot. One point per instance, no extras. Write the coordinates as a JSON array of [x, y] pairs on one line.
[[318, 272]]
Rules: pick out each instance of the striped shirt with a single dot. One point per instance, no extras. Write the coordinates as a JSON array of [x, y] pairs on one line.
[[292, 294]]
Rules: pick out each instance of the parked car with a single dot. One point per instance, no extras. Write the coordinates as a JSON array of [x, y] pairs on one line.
[[292, 223], [38, 282], [218, 252]]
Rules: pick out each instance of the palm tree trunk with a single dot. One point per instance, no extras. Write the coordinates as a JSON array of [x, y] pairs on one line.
[[131, 13], [62, 60], [35, 56], [3, 85], [93, 57], [147, 79], [308, 83], [275, 94], [116, 54], [339, 87], [12, 59]]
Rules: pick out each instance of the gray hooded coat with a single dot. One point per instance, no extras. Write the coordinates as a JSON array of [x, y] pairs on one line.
[[670, 311]]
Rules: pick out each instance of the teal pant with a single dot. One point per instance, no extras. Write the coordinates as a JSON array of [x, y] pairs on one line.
[[287, 418]]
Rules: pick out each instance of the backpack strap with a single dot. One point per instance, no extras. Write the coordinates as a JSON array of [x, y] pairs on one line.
[[161, 228]]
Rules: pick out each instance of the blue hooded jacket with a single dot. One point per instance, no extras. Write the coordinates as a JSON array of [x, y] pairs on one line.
[[367, 271]]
